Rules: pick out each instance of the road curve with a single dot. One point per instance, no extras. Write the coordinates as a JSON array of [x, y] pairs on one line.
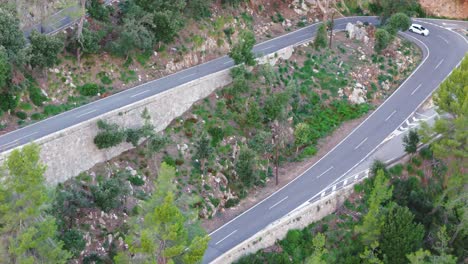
[[442, 51]]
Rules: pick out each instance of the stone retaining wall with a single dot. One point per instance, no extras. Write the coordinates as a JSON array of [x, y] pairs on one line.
[[277, 230], [68, 152]]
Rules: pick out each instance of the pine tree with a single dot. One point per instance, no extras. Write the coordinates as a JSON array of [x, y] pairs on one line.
[[27, 231], [321, 37], [161, 234], [400, 235], [370, 228]]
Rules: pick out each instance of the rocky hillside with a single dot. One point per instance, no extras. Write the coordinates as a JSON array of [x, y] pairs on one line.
[[457, 9]]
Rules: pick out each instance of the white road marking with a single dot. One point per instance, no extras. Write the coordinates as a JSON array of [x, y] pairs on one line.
[[226, 237], [446, 41], [266, 48], [278, 202], [139, 93], [229, 61], [329, 169], [439, 64], [187, 76], [414, 91], [360, 144], [89, 112], [386, 119]]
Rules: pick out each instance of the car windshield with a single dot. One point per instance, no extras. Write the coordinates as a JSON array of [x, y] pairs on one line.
[[422, 28]]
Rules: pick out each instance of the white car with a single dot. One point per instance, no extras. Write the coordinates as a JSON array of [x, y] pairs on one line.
[[418, 29]]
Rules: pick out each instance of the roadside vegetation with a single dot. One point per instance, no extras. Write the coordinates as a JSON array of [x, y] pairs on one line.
[[121, 45], [413, 212]]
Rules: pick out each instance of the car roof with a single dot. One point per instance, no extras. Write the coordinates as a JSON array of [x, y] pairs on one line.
[[416, 25]]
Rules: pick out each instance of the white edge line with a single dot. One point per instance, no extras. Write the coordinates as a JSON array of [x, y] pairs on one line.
[[323, 173], [186, 76], [278, 202], [414, 91], [386, 119], [226, 237], [352, 132]]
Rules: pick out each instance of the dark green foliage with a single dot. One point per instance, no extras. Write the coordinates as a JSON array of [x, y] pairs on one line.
[[321, 37], [409, 193], [44, 50], [275, 106], [110, 193], [8, 101], [36, 96], [232, 2], [21, 115], [5, 68], [11, 37], [398, 21], [73, 241], [246, 166], [241, 52], [109, 136], [89, 89], [198, 9], [231, 202], [382, 40], [426, 153], [97, 10], [217, 135], [411, 141], [376, 166], [156, 142], [400, 235], [203, 150], [133, 35]]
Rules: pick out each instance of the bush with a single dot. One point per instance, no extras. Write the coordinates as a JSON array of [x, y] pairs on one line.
[[396, 170], [21, 115], [136, 180], [89, 89], [426, 153], [416, 161], [382, 40], [217, 135], [36, 96], [73, 241], [8, 101], [98, 10], [231, 202], [321, 37], [109, 194], [37, 116], [107, 139], [50, 110], [309, 151]]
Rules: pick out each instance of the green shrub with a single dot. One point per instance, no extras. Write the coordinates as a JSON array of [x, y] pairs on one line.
[[21, 115], [37, 116], [136, 180], [25, 106], [416, 161], [169, 160], [89, 89], [73, 241], [50, 110], [105, 79], [382, 39], [231, 203], [107, 139], [426, 153], [36, 96], [109, 194], [217, 135], [309, 151], [396, 170], [8, 101]]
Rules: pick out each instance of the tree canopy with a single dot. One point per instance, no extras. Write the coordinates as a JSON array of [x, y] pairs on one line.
[[241, 52]]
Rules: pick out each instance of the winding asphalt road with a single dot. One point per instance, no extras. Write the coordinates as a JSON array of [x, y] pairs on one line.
[[442, 51]]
